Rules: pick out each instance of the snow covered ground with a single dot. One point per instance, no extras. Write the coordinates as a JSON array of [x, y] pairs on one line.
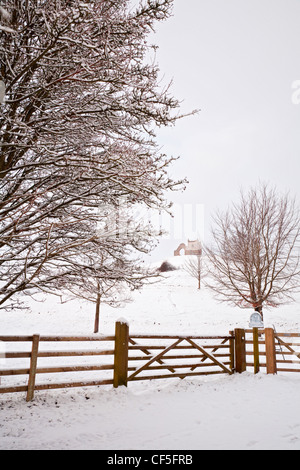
[[219, 412]]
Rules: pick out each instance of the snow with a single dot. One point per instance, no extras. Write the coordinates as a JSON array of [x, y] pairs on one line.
[[123, 321], [236, 412]]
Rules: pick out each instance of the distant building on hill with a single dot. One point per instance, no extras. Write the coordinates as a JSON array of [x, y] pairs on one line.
[[192, 248]]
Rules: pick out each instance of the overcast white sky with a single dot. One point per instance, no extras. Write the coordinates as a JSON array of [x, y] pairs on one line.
[[237, 61]]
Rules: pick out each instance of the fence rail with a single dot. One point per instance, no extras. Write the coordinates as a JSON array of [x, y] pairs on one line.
[[37, 353], [123, 357]]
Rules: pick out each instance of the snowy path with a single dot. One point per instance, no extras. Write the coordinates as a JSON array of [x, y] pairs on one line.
[[237, 412]]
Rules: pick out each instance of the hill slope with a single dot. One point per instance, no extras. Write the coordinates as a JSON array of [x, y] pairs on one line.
[[172, 305]]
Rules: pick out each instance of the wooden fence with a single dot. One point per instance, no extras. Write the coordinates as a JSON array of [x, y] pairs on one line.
[[30, 368], [267, 350], [118, 359], [125, 357]]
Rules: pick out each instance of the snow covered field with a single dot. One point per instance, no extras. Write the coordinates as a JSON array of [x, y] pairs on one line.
[[223, 412]]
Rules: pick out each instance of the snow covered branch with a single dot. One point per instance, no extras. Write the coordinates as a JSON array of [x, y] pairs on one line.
[[77, 133]]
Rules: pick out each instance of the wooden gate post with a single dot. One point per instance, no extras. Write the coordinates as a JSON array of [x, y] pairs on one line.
[[240, 350], [121, 353], [33, 364], [231, 350], [270, 351]]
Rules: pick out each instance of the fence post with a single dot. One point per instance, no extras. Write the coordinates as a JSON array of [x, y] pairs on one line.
[[231, 350], [270, 351], [121, 353], [240, 350], [256, 350], [33, 364]]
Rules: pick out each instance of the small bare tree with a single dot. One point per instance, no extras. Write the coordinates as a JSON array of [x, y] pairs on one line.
[[101, 277], [255, 257], [194, 267], [100, 290]]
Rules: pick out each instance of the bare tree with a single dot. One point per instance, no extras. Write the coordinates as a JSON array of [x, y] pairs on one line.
[[98, 287], [111, 293], [77, 131], [194, 267], [255, 257], [102, 276]]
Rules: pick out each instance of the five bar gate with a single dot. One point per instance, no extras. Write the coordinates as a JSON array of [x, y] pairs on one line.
[[125, 357], [117, 359]]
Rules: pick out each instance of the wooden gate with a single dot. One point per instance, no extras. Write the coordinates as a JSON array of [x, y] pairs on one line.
[[267, 350], [165, 356], [132, 357], [287, 347]]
